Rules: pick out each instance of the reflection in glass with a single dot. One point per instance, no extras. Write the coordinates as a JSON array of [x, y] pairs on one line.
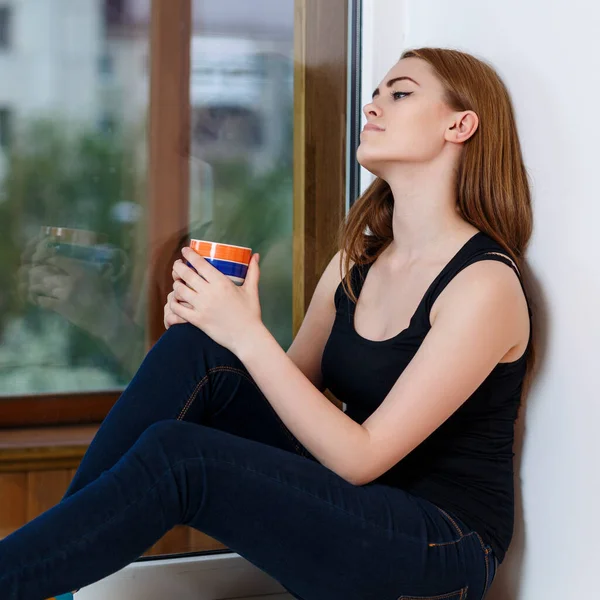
[[74, 256], [72, 155], [241, 93]]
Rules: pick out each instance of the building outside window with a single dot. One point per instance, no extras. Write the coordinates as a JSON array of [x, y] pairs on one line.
[[5, 26]]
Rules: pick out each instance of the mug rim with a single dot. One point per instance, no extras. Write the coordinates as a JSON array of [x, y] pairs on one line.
[[73, 235], [220, 244]]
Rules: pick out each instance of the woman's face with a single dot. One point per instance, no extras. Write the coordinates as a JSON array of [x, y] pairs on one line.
[[407, 121]]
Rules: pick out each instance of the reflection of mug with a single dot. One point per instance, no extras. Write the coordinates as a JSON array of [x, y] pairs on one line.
[[88, 247], [231, 260]]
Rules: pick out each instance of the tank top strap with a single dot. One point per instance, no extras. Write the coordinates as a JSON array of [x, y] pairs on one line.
[[358, 274], [482, 247]]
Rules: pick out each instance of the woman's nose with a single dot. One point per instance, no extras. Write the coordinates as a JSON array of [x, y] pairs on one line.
[[371, 109]]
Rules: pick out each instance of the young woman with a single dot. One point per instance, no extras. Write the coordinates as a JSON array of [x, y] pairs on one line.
[[422, 328]]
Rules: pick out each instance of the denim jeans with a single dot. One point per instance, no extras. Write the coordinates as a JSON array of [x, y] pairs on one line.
[[193, 441]]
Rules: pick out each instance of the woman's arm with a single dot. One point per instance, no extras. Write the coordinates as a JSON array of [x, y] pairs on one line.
[[477, 324], [307, 348]]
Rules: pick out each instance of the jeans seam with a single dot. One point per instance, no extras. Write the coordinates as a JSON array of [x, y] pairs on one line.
[[201, 384], [192, 397], [487, 565], [453, 542], [456, 527], [454, 523], [299, 449], [462, 537], [462, 592], [203, 381]]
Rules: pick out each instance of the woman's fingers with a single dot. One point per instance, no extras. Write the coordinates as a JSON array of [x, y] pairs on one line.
[[190, 277], [182, 293], [170, 318]]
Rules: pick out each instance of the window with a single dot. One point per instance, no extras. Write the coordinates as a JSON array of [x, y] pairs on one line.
[[73, 188], [114, 11], [106, 65], [6, 117], [113, 203], [107, 124], [5, 27], [241, 127], [231, 126]]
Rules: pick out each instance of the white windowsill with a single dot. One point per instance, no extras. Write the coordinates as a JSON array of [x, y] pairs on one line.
[[212, 577]]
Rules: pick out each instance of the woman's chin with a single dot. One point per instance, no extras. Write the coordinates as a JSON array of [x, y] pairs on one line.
[[364, 158], [369, 163]]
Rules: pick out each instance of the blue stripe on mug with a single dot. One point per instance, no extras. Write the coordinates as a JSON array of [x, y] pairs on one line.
[[227, 267]]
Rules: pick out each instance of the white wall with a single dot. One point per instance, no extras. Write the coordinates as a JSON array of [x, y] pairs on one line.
[[548, 53]]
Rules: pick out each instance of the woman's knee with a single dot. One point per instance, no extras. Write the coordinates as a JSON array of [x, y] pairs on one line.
[[187, 335], [172, 441], [167, 434], [187, 339]]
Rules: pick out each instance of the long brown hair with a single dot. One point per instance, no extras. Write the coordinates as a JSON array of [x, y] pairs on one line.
[[492, 188]]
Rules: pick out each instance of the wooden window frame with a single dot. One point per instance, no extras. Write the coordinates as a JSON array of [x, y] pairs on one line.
[[320, 38], [320, 105]]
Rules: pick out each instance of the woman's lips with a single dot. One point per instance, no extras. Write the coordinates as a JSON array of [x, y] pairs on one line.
[[372, 127]]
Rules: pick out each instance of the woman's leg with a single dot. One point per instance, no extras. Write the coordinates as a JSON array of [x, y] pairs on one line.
[[189, 377], [320, 536]]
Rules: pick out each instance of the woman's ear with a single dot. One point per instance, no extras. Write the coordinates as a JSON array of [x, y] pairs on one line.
[[462, 127]]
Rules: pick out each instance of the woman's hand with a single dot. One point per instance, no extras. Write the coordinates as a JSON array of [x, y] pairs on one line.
[[228, 313], [170, 317]]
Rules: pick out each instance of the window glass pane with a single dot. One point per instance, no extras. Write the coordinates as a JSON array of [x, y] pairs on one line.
[[5, 26], [73, 111], [75, 278], [241, 93]]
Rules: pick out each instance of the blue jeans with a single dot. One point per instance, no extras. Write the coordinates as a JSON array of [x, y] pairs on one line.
[[193, 441]]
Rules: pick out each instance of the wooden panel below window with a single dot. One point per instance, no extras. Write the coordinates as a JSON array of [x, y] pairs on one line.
[[32, 481], [13, 502], [45, 489]]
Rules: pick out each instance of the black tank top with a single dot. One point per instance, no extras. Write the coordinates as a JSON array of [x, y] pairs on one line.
[[466, 466]]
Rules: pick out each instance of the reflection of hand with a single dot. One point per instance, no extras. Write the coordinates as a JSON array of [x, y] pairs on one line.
[[70, 287], [80, 292], [36, 252]]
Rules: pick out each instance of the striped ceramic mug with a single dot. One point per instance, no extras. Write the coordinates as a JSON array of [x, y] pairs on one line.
[[231, 260]]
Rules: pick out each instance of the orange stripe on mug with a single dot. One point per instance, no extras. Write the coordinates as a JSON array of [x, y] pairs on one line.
[[221, 251]]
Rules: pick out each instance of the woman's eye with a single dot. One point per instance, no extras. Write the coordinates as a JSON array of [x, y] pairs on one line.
[[399, 95]]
